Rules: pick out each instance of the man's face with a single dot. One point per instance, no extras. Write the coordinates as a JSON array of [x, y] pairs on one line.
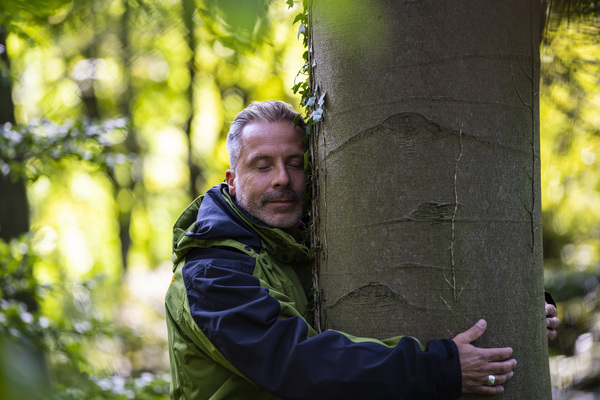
[[268, 181]]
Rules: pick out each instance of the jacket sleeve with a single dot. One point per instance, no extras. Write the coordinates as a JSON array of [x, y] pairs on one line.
[[242, 320], [549, 298]]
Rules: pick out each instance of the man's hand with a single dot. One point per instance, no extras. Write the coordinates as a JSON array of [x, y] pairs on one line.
[[478, 365], [552, 321]]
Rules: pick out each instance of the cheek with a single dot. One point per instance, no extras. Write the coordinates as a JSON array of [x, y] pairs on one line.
[[250, 185], [299, 181]]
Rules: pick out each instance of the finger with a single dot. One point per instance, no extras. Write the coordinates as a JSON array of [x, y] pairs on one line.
[[498, 368], [497, 387], [552, 323], [472, 333], [501, 379], [481, 385], [550, 311], [496, 354], [552, 334], [501, 367], [489, 390], [483, 388]]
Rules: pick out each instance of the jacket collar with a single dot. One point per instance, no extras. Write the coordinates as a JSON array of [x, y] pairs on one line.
[[215, 218]]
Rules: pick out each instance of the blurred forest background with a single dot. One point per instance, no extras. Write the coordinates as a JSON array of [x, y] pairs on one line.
[[113, 116]]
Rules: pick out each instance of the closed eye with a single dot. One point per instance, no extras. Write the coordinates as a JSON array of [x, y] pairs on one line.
[[296, 162]]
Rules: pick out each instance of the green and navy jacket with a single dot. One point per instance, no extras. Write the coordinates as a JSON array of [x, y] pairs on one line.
[[237, 321]]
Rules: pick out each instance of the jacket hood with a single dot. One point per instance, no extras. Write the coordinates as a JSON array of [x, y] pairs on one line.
[[215, 220]]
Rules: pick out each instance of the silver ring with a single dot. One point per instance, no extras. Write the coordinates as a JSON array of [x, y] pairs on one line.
[[491, 380]]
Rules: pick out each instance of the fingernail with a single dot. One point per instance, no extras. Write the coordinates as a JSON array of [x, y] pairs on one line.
[[481, 323]]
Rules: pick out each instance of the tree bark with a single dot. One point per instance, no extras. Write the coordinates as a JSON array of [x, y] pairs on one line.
[[429, 175]]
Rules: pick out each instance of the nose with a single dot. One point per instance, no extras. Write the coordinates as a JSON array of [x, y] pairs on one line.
[[281, 177]]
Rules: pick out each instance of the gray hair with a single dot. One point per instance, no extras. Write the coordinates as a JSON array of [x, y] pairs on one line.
[[265, 111]]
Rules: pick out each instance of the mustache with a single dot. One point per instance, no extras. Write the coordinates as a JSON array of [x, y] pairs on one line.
[[285, 194]]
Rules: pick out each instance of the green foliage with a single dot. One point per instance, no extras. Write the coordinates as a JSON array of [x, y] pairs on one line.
[[239, 21], [17, 9], [570, 129], [20, 296], [26, 151], [557, 13], [35, 346], [161, 89], [308, 90], [571, 152]]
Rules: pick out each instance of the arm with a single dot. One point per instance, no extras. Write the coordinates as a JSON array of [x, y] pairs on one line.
[[282, 354]]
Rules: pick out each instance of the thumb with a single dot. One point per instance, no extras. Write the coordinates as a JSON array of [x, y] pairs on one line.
[[472, 333]]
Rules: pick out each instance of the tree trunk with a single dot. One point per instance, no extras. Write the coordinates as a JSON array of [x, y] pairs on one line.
[[429, 175], [14, 208], [195, 181], [131, 143]]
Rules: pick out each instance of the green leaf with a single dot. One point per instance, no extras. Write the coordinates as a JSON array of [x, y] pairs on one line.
[[322, 99], [299, 17], [301, 30], [317, 115]]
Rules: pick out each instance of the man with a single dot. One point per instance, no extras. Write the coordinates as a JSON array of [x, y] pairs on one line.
[[237, 309]]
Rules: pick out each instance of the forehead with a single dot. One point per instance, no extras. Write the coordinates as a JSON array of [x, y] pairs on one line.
[[272, 136]]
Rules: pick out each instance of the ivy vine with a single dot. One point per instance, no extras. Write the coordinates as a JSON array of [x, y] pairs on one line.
[[313, 101]]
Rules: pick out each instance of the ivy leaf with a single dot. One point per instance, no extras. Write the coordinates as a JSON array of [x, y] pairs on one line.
[[317, 115], [297, 120], [296, 87], [322, 99], [299, 17], [301, 30], [290, 3]]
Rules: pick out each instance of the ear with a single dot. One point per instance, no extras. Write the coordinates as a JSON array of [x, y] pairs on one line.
[[230, 179]]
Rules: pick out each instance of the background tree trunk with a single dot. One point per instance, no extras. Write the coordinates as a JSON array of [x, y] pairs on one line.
[[429, 174], [196, 178], [14, 207], [126, 187]]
